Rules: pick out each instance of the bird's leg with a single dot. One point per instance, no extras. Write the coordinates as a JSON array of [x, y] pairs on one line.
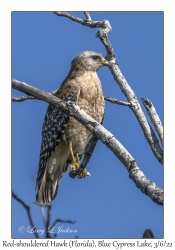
[[77, 157], [75, 164], [84, 172]]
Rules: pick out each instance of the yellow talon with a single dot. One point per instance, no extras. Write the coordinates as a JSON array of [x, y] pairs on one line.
[[84, 173], [75, 164]]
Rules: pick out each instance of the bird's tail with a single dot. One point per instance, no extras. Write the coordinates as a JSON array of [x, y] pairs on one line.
[[47, 189], [47, 185], [50, 173]]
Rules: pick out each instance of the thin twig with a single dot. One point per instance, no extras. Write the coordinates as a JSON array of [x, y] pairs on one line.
[[115, 101], [62, 221], [91, 24], [33, 180], [27, 208], [88, 17], [109, 99], [102, 33], [22, 98], [48, 222], [154, 117]]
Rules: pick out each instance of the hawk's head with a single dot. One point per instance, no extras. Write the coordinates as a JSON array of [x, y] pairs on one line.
[[88, 60]]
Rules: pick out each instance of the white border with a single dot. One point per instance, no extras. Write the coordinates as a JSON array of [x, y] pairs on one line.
[[169, 89]]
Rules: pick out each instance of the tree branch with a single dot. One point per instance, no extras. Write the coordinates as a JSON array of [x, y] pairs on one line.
[[46, 218], [154, 117], [48, 222], [136, 108], [22, 98], [115, 101], [27, 208], [119, 78], [102, 134], [88, 17], [109, 99], [101, 33], [62, 221]]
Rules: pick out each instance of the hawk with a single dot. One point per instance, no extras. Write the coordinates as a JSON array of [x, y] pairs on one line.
[[63, 138]]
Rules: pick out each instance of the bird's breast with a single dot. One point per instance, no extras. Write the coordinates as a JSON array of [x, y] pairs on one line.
[[92, 102]]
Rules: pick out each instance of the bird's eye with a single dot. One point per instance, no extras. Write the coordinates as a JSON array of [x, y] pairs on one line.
[[95, 57]]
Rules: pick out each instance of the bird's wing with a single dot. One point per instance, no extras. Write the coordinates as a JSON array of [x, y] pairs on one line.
[[54, 126]]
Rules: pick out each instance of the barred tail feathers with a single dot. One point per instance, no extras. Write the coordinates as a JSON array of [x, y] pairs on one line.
[[56, 165]]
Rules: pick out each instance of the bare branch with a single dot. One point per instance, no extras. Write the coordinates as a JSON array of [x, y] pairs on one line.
[[136, 108], [119, 78], [91, 24], [22, 98], [33, 180], [62, 221], [154, 117], [88, 17], [48, 222], [73, 18], [102, 134], [27, 208], [102, 33], [46, 218], [115, 101], [109, 99]]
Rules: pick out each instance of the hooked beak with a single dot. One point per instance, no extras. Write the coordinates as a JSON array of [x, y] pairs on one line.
[[105, 62]]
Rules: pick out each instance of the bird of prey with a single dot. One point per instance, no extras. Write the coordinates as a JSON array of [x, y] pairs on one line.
[[63, 138]]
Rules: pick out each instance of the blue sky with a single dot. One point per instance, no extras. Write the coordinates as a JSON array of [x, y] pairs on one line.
[[108, 204]]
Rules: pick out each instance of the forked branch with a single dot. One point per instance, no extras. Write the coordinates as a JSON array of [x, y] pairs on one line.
[[154, 117]]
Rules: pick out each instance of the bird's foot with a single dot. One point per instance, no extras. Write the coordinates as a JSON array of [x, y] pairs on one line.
[[83, 174], [75, 165]]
